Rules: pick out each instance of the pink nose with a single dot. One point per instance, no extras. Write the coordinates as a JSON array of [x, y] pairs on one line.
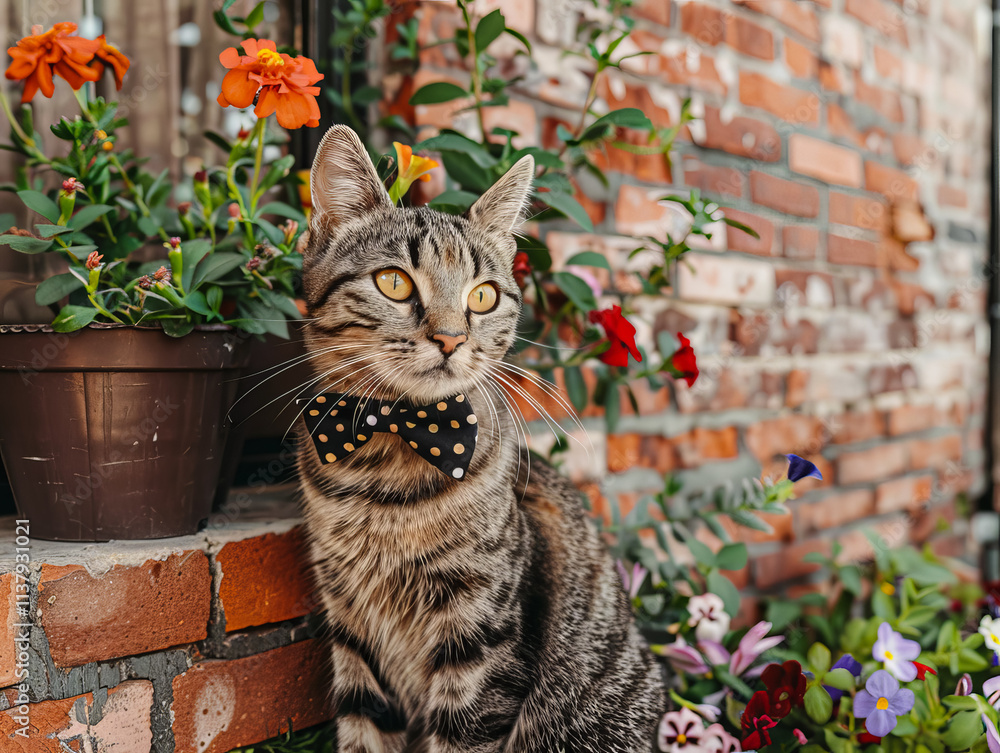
[[448, 342]]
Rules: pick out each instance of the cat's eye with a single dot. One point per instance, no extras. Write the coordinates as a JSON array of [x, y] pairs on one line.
[[395, 284], [483, 298]]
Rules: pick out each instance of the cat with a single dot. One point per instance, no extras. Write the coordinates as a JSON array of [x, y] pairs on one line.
[[479, 613]]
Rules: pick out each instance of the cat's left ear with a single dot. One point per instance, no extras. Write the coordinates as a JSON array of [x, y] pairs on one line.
[[501, 209]]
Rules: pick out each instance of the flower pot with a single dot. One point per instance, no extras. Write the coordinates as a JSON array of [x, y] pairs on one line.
[[115, 432]]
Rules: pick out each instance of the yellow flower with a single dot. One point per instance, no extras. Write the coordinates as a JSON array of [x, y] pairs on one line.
[[305, 196], [409, 169]]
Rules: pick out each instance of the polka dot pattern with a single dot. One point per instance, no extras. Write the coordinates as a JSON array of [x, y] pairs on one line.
[[443, 433]]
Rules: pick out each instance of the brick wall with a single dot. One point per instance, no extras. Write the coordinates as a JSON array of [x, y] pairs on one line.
[[852, 135], [196, 644]]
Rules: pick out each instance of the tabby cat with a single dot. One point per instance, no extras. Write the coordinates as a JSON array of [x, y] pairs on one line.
[[469, 611]]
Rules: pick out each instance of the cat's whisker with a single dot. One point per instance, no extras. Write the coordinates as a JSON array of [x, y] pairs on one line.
[[333, 384], [296, 391], [543, 345], [523, 428]]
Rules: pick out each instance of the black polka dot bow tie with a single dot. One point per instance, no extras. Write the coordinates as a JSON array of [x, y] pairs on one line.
[[442, 433]]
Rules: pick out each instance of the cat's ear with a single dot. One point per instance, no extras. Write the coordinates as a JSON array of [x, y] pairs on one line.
[[343, 183], [501, 208]]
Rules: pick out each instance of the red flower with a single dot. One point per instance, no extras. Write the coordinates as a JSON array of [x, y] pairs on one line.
[[756, 721], [111, 55], [867, 737], [683, 361], [521, 264], [786, 686], [922, 670], [620, 333], [276, 81], [94, 260]]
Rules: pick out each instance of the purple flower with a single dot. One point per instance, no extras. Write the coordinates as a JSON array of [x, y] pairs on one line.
[[964, 686], [991, 689], [881, 702], [992, 739], [683, 658], [800, 468], [849, 663], [897, 652], [634, 581], [752, 645]]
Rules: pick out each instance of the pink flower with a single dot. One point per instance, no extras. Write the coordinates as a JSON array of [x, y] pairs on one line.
[[717, 740], [588, 277], [683, 658], [681, 732], [708, 617], [752, 645], [633, 581]]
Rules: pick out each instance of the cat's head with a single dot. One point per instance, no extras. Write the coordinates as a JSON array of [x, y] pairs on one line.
[[406, 301]]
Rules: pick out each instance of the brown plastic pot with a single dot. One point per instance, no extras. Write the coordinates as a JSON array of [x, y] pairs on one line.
[[115, 432]]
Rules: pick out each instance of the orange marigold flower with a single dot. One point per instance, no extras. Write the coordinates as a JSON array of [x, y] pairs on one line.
[[111, 55], [38, 57], [276, 81], [409, 168]]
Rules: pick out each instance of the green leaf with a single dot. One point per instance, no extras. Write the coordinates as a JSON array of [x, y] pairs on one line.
[[702, 554], [749, 520], [819, 705], [589, 259], [565, 203], [850, 576], [39, 202], [454, 142], [538, 252], [488, 29], [197, 302], [612, 406], [148, 226], [177, 327], [216, 266], [520, 38], [56, 287], [192, 252], [25, 244], [732, 557], [781, 613], [88, 215], [223, 22], [818, 657], [576, 290], [256, 16], [628, 117], [576, 387], [963, 730], [51, 231], [436, 93], [722, 587], [278, 170], [461, 199], [840, 678], [282, 210], [72, 318]]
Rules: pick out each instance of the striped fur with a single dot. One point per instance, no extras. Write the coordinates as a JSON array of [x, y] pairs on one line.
[[482, 615]]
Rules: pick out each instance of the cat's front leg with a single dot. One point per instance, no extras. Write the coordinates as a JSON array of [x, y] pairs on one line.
[[367, 722]]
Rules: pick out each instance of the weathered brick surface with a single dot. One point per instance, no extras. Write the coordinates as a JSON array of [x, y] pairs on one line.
[[128, 610], [265, 579], [220, 705], [8, 619]]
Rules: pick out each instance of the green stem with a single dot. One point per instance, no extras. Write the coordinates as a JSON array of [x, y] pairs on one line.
[[102, 310], [259, 129], [234, 192], [15, 126], [591, 96], [345, 90]]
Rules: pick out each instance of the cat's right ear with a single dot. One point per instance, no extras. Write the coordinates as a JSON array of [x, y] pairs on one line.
[[343, 183]]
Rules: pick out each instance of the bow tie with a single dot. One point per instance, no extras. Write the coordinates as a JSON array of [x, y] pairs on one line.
[[442, 433]]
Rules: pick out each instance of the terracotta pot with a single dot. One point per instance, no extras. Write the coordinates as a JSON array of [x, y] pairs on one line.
[[115, 432]]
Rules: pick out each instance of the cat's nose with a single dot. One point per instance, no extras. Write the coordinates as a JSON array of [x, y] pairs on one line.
[[449, 341]]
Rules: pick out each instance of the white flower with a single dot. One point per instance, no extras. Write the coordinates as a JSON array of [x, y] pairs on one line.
[[708, 617], [990, 629]]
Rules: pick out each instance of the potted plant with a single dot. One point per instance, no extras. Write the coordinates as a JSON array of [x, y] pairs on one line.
[[113, 418]]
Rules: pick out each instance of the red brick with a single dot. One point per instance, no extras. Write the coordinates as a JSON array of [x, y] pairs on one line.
[[883, 16], [830, 77], [701, 445], [782, 529], [800, 242], [517, 116], [741, 241], [886, 103], [888, 65], [841, 125], [859, 211], [903, 494], [801, 61], [694, 69], [907, 419], [657, 11], [63, 725], [744, 137], [936, 453], [8, 619], [712, 179], [784, 195], [749, 38], [890, 182], [953, 196], [857, 426], [841, 250], [795, 15], [823, 160], [795, 433], [787, 102], [265, 579], [835, 511], [704, 23], [879, 462], [221, 705], [129, 610], [788, 563]]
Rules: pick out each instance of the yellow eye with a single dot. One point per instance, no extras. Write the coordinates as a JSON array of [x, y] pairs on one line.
[[395, 284], [483, 298]]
